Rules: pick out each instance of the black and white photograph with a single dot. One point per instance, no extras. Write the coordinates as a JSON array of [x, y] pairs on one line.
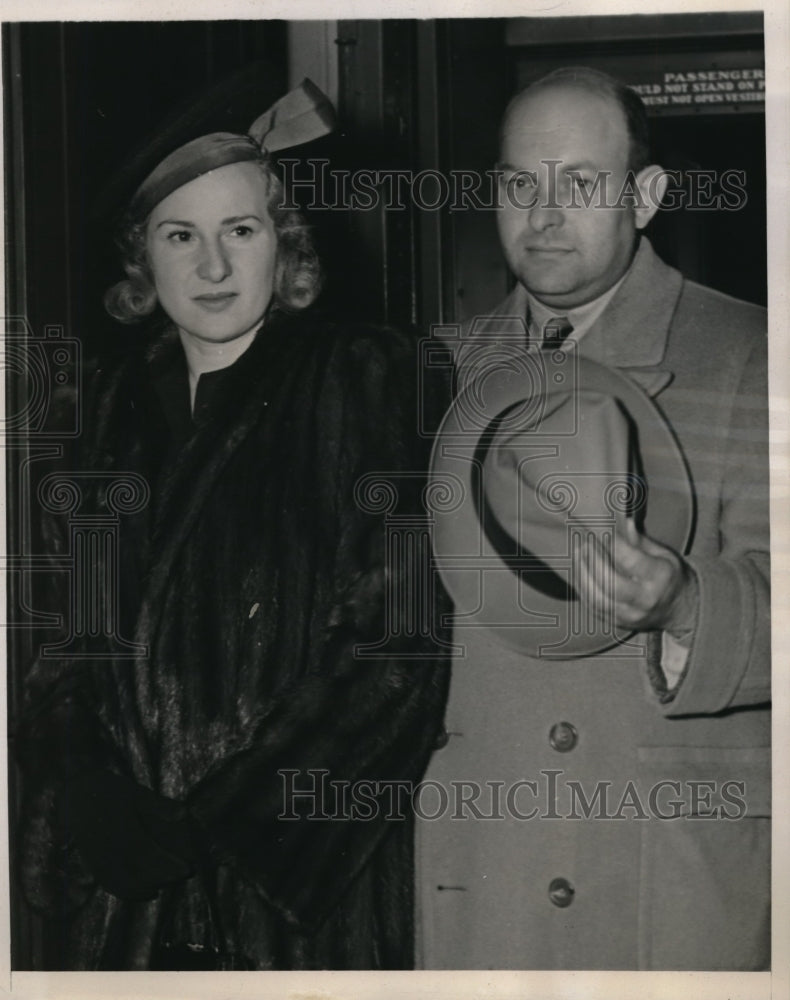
[[395, 442]]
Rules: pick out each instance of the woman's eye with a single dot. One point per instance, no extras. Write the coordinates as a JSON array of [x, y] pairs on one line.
[[179, 236], [241, 230]]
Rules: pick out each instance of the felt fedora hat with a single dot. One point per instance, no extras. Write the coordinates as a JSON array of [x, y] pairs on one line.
[[543, 454]]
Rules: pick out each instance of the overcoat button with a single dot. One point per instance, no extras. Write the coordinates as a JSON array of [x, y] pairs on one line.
[[442, 739], [561, 892], [563, 737]]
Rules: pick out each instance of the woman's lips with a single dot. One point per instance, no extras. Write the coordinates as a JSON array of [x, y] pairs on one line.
[[215, 301], [555, 250]]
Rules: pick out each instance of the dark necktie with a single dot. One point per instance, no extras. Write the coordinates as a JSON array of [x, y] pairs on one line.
[[555, 331]]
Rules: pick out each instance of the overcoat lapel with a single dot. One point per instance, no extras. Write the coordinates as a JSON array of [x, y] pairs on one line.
[[631, 334], [632, 331]]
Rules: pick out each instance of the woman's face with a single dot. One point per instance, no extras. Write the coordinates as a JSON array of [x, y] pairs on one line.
[[211, 246]]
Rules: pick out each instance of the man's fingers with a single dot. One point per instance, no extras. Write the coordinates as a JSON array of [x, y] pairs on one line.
[[640, 559], [655, 549], [587, 583], [619, 560], [602, 588], [620, 581]]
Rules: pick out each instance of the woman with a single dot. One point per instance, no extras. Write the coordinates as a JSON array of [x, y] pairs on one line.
[[165, 825]]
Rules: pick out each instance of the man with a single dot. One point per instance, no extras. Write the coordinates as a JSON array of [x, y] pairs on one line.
[[614, 840]]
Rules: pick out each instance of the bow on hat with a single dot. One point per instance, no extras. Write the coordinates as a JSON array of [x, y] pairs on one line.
[[303, 114], [300, 116]]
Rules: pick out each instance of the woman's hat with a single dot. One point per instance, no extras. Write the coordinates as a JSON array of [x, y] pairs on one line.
[[211, 131], [544, 454]]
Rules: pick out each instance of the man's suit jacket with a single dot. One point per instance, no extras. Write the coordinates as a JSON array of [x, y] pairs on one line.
[[597, 877]]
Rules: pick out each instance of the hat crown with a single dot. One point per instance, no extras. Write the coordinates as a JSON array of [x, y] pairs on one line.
[[303, 114]]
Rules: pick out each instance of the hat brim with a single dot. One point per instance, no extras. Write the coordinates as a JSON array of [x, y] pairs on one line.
[[525, 605]]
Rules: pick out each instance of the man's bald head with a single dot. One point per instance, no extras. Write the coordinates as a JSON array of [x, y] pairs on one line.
[[592, 81]]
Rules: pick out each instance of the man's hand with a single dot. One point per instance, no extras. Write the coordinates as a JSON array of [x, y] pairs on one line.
[[643, 585]]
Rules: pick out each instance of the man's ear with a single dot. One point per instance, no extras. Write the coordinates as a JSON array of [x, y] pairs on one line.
[[652, 184]]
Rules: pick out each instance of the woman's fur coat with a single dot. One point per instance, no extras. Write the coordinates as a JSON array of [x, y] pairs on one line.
[[249, 578]]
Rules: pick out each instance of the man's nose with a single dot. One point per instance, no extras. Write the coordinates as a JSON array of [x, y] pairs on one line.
[[547, 211], [545, 214], [214, 263]]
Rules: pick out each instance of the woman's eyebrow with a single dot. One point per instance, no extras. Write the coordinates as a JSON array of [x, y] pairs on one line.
[[176, 222], [240, 218], [224, 222]]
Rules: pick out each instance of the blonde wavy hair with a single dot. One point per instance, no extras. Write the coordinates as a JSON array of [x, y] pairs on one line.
[[297, 273]]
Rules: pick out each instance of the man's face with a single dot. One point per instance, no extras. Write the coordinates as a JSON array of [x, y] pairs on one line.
[[565, 254]]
